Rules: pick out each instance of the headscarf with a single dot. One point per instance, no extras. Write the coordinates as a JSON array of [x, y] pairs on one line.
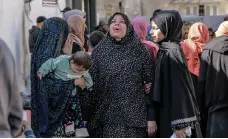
[[49, 45], [68, 14], [173, 87], [222, 30], [198, 36], [77, 30], [170, 24], [129, 33], [140, 27]]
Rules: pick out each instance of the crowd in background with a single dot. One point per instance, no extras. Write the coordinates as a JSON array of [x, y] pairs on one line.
[[126, 79]]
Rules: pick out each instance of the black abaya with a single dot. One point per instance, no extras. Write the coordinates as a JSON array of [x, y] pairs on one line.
[[213, 86], [173, 90]]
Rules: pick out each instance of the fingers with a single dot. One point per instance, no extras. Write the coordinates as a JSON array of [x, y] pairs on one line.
[[148, 87], [180, 134], [151, 131]]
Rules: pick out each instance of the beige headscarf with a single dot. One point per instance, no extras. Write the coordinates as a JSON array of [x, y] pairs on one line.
[[222, 30], [77, 30]]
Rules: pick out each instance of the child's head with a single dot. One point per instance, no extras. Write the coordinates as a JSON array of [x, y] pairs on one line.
[[80, 62], [94, 39]]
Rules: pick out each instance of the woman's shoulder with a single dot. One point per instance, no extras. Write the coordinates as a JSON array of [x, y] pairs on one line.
[[175, 50], [102, 46]]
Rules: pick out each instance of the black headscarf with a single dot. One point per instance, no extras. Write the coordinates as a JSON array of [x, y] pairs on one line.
[[173, 87], [130, 34], [170, 24]]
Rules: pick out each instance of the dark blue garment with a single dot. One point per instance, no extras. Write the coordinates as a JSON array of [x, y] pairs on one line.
[[148, 30], [29, 134], [148, 35], [49, 45]]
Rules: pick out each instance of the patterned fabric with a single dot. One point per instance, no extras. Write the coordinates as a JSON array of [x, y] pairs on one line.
[[119, 71], [119, 131], [74, 114], [49, 44]]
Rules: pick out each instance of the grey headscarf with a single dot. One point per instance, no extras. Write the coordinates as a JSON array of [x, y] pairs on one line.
[[68, 14]]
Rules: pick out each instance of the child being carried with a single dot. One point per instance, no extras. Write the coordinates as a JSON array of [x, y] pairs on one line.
[[67, 68]]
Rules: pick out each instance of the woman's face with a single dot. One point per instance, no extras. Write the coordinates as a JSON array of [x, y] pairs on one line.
[[118, 27], [156, 33]]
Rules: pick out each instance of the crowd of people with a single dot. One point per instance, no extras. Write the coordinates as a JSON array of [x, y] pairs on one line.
[[127, 79]]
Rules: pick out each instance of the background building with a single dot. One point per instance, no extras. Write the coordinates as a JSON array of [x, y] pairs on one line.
[[146, 7]]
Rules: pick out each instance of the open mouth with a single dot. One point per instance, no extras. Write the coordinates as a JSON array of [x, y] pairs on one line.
[[116, 29]]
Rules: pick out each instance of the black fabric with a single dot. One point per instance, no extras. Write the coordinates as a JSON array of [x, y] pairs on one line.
[[84, 102], [217, 124], [95, 37], [85, 43], [195, 82], [173, 90], [170, 24], [118, 131], [213, 87], [75, 48], [33, 35], [119, 70]]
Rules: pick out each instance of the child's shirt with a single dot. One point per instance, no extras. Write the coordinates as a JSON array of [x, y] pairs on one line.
[[62, 70]]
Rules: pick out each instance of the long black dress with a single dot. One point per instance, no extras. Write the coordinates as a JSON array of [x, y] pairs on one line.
[[213, 82], [119, 100], [173, 91]]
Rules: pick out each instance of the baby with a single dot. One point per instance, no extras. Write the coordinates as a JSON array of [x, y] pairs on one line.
[[69, 67]]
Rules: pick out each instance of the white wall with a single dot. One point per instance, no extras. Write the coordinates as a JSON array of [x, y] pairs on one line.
[[14, 27], [37, 9], [11, 13]]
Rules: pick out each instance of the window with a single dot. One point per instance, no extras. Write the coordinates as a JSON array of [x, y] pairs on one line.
[[195, 10], [207, 11], [215, 10], [188, 11], [201, 10]]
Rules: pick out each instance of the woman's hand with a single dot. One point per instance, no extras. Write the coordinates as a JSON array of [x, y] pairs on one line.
[[147, 87], [80, 82], [40, 76], [180, 133], [151, 128]]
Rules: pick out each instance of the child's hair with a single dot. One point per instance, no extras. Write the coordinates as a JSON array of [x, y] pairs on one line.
[[81, 58], [95, 38]]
